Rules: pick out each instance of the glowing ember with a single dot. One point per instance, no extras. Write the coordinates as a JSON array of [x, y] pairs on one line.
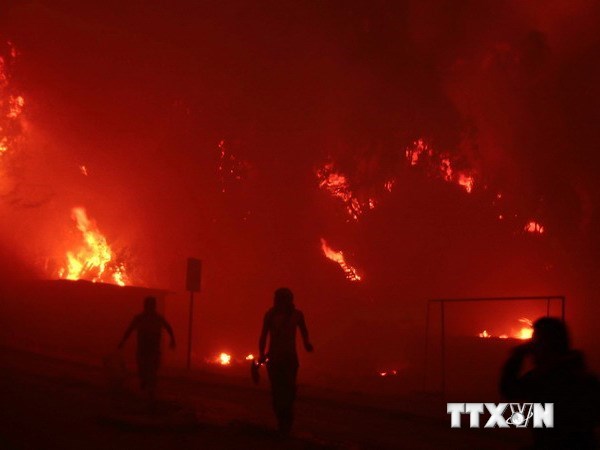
[[231, 169], [524, 333], [83, 170], [534, 227], [94, 261], [250, 357], [388, 373], [338, 257]]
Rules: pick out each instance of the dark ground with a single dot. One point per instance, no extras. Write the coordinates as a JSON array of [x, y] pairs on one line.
[[54, 404]]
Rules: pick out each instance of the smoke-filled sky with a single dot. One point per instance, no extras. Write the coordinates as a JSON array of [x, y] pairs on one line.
[[142, 93]]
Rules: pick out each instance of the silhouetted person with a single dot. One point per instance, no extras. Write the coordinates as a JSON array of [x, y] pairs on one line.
[[149, 325], [559, 376], [280, 324]]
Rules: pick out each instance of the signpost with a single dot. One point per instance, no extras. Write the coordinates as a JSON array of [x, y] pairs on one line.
[[192, 284]]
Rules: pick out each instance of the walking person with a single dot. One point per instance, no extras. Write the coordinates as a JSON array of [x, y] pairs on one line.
[[149, 325], [280, 325]]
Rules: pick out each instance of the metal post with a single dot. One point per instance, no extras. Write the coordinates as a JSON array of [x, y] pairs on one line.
[[443, 341], [426, 377], [189, 355]]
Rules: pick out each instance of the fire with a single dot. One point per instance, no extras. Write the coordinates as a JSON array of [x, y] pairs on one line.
[[524, 333], [534, 227], [414, 153], [94, 260], [438, 164], [11, 103], [15, 106], [466, 181], [250, 357], [338, 257], [224, 359], [337, 184]]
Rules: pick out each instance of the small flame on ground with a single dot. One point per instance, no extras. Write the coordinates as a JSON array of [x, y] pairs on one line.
[[250, 357], [338, 257], [524, 333], [224, 359]]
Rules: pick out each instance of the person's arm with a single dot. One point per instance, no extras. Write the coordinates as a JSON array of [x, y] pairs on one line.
[[262, 341], [512, 385], [304, 332], [169, 329], [132, 326]]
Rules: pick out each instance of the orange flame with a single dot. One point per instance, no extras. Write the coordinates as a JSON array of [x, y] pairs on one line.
[[438, 164], [224, 359], [524, 333], [94, 260], [466, 181], [15, 106], [414, 153], [338, 257], [338, 186], [534, 227]]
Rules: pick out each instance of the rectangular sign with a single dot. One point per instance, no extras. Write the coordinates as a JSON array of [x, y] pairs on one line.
[[194, 272]]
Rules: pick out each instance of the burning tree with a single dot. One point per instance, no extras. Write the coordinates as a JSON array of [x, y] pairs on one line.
[[94, 260], [11, 109]]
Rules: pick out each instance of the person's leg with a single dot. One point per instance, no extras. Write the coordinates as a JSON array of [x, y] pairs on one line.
[[152, 374], [148, 364], [142, 371], [289, 376], [277, 378]]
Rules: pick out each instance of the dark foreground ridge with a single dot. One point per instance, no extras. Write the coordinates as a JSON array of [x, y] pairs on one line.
[[54, 404]]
